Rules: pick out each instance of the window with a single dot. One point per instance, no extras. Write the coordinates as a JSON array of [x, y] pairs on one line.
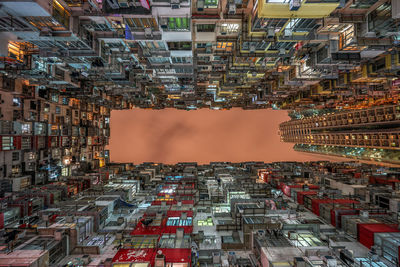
[[15, 170], [229, 28], [227, 46], [169, 264], [178, 24], [176, 221], [153, 45], [26, 142], [159, 60], [39, 128], [26, 128], [15, 156], [60, 14], [7, 142], [180, 46], [141, 23], [16, 101], [58, 110], [65, 171], [211, 3], [31, 156], [201, 45], [54, 98], [46, 107], [346, 38], [65, 100], [33, 105], [205, 27], [182, 60]]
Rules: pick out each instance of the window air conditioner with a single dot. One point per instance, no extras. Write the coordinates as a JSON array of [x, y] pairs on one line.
[[163, 23], [175, 4], [294, 5], [148, 32], [232, 9], [288, 32], [123, 3], [271, 32], [252, 48], [200, 5]]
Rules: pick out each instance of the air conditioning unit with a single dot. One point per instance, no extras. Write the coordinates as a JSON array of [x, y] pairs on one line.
[[294, 5], [333, 46], [253, 47], [163, 23], [232, 9], [282, 51], [123, 3], [288, 32], [200, 5], [223, 30], [175, 4], [271, 32], [148, 32]]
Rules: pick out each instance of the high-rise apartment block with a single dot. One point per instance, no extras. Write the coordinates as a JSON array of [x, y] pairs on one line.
[[371, 133]]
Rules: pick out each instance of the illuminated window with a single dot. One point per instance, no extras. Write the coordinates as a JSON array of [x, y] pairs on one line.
[[176, 221], [207, 222], [16, 102], [7, 142], [346, 38], [229, 28], [46, 108], [31, 156], [60, 14], [227, 46], [26, 128], [177, 24], [15, 171], [65, 171]]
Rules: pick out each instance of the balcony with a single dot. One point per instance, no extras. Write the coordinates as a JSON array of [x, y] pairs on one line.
[[61, 14], [308, 9]]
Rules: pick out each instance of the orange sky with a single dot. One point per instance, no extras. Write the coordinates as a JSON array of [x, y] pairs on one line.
[[171, 136]]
